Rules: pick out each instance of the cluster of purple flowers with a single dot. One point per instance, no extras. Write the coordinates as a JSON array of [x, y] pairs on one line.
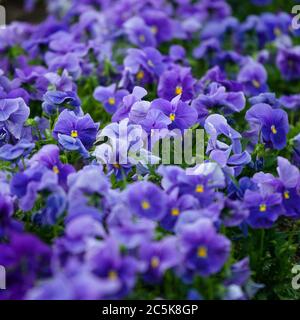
[[74, 224]]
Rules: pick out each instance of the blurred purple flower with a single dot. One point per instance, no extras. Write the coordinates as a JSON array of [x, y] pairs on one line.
[[110, 97], [205, 251]]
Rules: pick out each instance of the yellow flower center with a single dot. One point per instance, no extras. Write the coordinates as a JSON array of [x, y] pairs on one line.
[[145, 205], [111, 101], [277, 31], [273, 129], [256, 83], [140, 75], [112, 275], [202, 252], [74, 134], [175, 212], [172, 116], [155, 262], [263, 208], [286, 195], [55, 169], [178, 90], [142, 38], [200, 188], [116, 165], [154, 29]]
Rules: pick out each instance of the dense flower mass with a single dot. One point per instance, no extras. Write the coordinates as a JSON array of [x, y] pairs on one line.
[[102, 195]]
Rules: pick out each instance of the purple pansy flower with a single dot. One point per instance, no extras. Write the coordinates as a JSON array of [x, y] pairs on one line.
[[177, 81], [182, 115], [158, 257], [106, 262], [26, 260], [176, 206], [144, 65], [205, 251], [75, 133], [235, 213], [49, 157], [254, 78], [147, 200], [159, 23], [272, 123], [139, 33], [110, 97], [289, 176], [288, 62], [264, 208]]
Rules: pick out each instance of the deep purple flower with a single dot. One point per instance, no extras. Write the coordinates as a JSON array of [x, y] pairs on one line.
[[49, 157], [177, 81], [289, 187], [205, 251], [139, 33], [144, 65], [216, 10], [264, 209], [106, 262], [146, 200], [272, 123], [274, 25], [26, 260], [288, 63], [110, 97], [200, 183], [182, 115], [176, 206], [158, 257], [254, 78], [235, 213], [159, 23], [75, 133]]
